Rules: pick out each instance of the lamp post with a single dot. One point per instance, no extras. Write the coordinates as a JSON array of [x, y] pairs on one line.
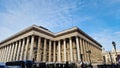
[[114, 45], [89, 52]]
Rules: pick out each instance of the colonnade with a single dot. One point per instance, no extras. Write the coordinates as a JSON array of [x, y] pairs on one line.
[[41, 49]]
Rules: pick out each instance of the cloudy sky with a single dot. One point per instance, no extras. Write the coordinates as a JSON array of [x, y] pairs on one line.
[[98, 18]]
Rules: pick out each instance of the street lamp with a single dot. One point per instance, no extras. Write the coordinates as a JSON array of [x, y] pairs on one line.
[[114, 45], [89, 52]]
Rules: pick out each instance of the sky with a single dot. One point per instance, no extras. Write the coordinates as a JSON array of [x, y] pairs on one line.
[[100, 19]]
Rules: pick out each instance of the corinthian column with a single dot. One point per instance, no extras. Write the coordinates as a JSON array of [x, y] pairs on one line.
[[44, 53], [38, 50], [71, 54], [26, 49], [64, 50], [22, 49], [31, 48], [50, 51], [59, 56], [78, 52], [0, 53], [3, 54], [12, 52], [6, 54], [14, 55], [18, 52], [9, 52], [54, 53]]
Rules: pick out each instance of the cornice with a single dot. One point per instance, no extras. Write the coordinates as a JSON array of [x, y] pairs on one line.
[[37, 28]]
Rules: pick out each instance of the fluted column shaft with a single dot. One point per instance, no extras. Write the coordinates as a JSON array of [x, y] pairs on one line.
[[4, 54], [71, 54], [15, 52], [31, 48], [59, 53], [10, 46], [50, 51], [44, 53], [78, 48], [18, 52], [22, 49], [38, 50], [54, 53], [0, 53], [26, 49], [65, 50], [12, 52]]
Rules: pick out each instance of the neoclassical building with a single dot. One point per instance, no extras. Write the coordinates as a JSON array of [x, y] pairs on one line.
[[40, 44]]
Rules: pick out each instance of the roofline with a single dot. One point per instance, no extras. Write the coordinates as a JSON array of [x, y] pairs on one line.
[[17, 34], [51, 33], [25, 30], [80, 31], [89, 37], [65, 31]]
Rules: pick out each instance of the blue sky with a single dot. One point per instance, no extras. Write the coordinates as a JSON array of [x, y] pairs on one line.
[[98, 18]]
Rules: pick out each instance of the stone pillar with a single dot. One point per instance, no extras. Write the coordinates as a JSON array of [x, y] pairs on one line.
[[9, 51], [59, 53], [71, 54], [38, 50], [22, 50], [84, 46], [31, 48], [78, 52], [54, 53], [26, 49], [6, 54], [44, 53], [2, 49], [2, 53], [87, 50], [12, 52], [64, 50], [50, 51], [18, 52], [15, 51]]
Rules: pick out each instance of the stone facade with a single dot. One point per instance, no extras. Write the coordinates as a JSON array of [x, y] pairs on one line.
[[110, 56], [40, 44]]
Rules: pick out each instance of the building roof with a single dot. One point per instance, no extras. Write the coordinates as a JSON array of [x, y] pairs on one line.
[[51, 33]]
